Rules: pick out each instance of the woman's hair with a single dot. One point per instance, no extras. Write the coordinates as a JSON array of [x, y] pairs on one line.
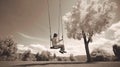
[[55, 35]]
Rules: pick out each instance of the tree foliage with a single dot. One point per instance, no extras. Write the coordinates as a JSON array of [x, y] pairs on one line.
[[8, 49], [28, 56], [116, 50], [87, 18], [90, 16]]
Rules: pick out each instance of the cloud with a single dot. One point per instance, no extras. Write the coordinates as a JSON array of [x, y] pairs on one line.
[[75, 47], [71, 46], [30, 37], [105, 41], [33, 47], [114, 32]]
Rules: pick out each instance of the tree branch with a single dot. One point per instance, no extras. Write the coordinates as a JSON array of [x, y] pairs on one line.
[[84, 36], [90, 38]]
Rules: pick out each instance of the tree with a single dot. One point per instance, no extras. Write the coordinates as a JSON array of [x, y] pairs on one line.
[[54, 56], [87, 18], [116, 50], [28, 56], [8, 49], [38, 58]]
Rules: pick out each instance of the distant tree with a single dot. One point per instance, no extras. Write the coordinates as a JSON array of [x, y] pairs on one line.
[[38, 58], [72, 58], [19, 57], [87, 18], [116, 50], [28, 56], [54, 56], [65, 59], [45, 56], [8, 49], [59, 59], [100, 55]]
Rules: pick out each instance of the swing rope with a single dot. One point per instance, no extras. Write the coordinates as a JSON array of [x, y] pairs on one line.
[[49, 21], [59, 21]]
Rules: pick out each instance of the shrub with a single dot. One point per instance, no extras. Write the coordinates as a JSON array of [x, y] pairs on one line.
[[72, 58], [8, 49], [38, 57], [100, 55], [116, 50], [59, 59], [28, 56], [45, 56]]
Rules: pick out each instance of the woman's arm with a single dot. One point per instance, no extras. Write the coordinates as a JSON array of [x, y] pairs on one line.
[[60, 40]]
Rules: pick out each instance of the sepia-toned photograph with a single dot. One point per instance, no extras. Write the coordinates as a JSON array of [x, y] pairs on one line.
[[59, 33]]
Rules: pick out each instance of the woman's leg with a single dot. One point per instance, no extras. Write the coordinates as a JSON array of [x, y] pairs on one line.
[[61, 46]]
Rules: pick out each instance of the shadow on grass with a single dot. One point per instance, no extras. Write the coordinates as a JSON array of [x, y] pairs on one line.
[[55, 63]]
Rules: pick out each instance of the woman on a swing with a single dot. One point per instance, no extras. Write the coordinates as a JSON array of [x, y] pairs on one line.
[[56, 41]]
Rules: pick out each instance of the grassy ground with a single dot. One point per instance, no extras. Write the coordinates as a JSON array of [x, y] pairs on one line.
[[57, 64]]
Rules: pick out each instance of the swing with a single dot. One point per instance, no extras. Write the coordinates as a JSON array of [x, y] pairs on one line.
[[52, 47], [59, 23]]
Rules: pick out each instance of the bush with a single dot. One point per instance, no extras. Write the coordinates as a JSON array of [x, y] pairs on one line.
[[38, 57], [45, 56], [8, 49], [116, 50], [72, 58], [100, 55], [28, 56], [59, 59]]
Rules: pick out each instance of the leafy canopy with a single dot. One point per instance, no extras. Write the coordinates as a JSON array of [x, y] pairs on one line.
[[90, 16]]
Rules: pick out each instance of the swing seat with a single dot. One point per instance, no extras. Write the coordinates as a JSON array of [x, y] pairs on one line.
[[54, 47]]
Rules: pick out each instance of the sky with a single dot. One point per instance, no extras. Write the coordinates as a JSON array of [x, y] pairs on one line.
[[27, 22]]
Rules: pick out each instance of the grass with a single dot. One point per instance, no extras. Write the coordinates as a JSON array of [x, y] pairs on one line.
[[57, 64]]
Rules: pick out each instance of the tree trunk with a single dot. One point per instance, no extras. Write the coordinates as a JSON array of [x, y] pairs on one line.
[[86, 42], [87, 52]]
